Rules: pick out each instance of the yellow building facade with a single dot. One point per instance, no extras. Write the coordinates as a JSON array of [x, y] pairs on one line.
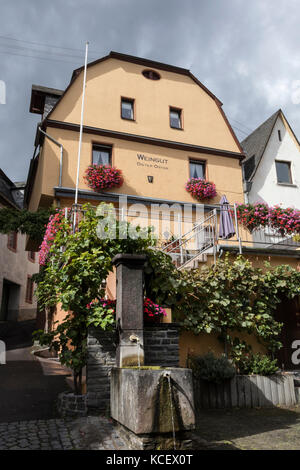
[[155, 122], [146, 145]]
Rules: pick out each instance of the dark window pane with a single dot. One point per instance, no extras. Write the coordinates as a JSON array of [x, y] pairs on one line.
[[283, 172], [175, 120], [101, 155], [127, 109], [29, 290], [12, 240], [151, 74], [197, 170]]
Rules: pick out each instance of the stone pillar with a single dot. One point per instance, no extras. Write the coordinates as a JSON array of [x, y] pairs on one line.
[[129, 309]]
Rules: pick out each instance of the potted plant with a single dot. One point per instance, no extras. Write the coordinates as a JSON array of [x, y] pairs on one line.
[[253, 216], [201, 189], [172, 245], [153, 313], [285, 220], [101, 177], [102, 312]]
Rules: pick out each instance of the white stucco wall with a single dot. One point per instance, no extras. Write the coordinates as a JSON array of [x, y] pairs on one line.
[[15, 267], [265, 187]]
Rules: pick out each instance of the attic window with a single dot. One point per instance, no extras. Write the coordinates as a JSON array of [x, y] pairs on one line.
[[283, 170], [151, 74], [279, 135]]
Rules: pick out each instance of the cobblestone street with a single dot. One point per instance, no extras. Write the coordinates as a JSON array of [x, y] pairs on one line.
[[28, 416], [90, 433]]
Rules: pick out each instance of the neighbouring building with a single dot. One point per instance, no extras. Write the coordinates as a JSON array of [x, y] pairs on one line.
[[272, 165], [160, 126], [16, 265]]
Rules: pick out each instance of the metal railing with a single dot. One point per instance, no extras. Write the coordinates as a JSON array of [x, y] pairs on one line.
[[264, 237], [187, 249], [187, 239]]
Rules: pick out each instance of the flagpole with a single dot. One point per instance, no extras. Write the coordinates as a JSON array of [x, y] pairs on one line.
[[81, 126]]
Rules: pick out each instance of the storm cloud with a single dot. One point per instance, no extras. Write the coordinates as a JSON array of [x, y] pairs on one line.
[[246, 53]]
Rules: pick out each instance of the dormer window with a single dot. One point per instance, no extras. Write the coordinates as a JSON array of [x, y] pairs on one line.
[[151, 74]]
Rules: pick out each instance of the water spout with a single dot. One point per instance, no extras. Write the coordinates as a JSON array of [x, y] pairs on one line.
[[135, 339]]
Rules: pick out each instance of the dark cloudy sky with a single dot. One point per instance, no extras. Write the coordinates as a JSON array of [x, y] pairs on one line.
[[245, 52]]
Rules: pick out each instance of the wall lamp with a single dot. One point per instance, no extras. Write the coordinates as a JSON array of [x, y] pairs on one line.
[[150, 179]]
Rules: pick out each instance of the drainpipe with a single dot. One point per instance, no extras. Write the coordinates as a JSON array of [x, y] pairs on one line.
[[61, 154]]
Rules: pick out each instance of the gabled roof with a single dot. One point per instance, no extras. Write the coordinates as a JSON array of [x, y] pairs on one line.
[[38, 95], [156, 65], [9, 192], [255, 144], [147, 63]]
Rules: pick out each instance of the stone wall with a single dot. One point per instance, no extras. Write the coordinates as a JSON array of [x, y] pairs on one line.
[[161, 343]]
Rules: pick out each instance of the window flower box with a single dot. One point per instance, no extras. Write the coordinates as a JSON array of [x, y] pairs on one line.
[[286, 221], [101, 177], [253, 216], [201, 189]]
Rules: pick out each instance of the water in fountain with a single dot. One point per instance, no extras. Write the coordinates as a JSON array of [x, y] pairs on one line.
[[139, 360], [171, 405]]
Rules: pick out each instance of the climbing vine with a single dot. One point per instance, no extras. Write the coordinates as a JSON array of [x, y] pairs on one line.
[[225, 299], [77, 264], [232, 297], [24, 221]]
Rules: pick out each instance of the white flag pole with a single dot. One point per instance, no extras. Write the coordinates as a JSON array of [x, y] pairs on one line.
[[81, 124]]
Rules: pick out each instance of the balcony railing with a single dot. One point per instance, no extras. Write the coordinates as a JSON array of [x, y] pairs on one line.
[[189, 238]]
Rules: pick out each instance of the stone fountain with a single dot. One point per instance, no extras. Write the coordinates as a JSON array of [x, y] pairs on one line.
[[153, 406]]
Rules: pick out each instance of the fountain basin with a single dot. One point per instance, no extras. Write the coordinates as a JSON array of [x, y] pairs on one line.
[[143, 401]]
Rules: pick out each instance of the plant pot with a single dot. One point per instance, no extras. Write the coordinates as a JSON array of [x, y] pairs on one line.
[[150, 320]]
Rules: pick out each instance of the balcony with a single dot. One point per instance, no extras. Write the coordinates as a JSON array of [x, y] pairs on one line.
[[189, 238]]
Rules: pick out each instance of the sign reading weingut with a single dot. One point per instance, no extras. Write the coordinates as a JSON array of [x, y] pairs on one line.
[[152, 162]]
